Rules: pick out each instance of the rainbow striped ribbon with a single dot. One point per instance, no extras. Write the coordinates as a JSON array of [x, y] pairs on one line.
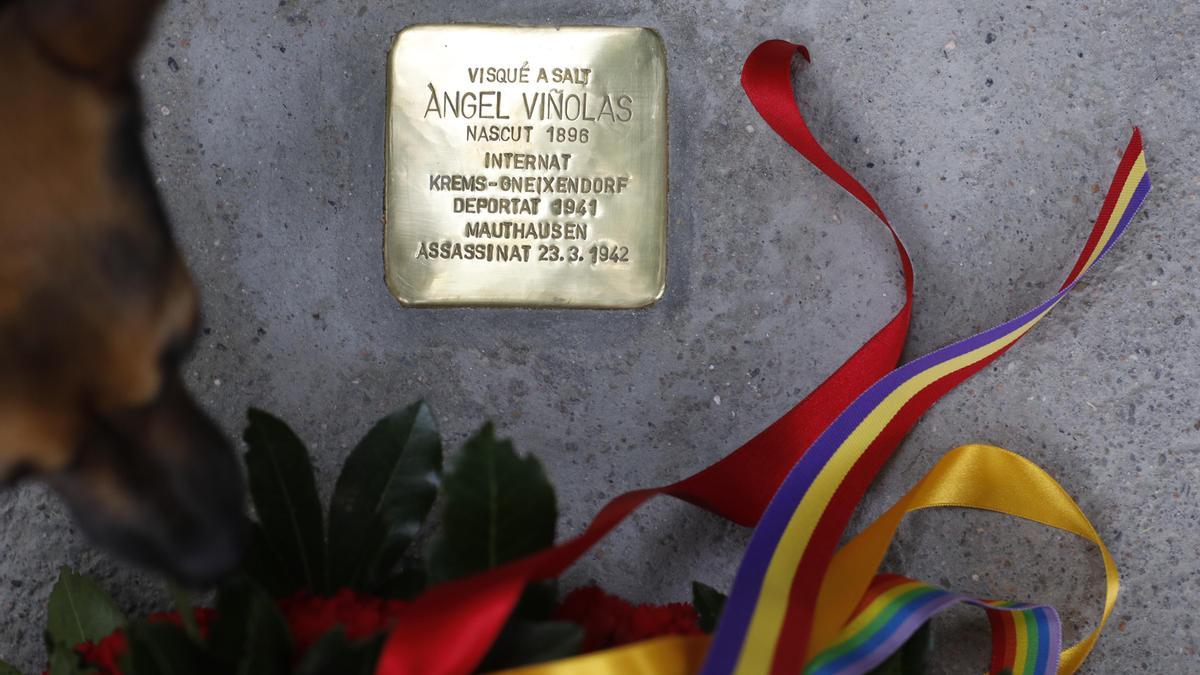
[[1028, 637], [766, 625]]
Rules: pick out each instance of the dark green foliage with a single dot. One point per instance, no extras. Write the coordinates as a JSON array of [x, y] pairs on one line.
[[708, 602], [261, 563], [913, 656], [527, 642], [498, 507], [166, 649], [249, 637], [335, 655], [386, 488], [80, 610], [285, 499]]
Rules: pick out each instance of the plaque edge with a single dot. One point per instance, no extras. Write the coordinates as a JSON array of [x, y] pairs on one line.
[[410, 300]]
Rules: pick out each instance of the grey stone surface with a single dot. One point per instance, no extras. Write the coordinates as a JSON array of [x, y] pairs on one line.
[[987, 132]]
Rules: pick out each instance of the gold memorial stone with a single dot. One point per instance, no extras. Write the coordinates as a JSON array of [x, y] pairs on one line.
[[526, 166]]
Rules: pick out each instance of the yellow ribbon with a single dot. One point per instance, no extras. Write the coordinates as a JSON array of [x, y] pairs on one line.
[[672, 655], [972, 476]]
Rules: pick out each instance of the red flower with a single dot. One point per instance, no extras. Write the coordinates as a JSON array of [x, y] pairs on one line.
[[609, 621], [105, 654], [309, 617], [204, 618]]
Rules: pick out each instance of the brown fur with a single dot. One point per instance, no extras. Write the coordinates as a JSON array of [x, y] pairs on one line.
[[96, 305]]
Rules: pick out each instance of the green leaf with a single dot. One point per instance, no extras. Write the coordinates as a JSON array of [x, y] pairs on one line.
[[889, 667], [529, 636], [913, 656], [8, 669], [187, 612], [386, 488], [498, 507], [80, 611], [249, 636], [285, 497], [537, 602], [406, 582], [708, 602], [165, 649], [333, 653], [262, 564], [527, 642], [64, 661]]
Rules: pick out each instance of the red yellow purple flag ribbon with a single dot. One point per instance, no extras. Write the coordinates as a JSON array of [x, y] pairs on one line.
[[768, 622], [821, 456], [867, 617]]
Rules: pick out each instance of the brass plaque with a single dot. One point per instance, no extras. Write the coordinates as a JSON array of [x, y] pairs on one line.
[[527, 166]]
